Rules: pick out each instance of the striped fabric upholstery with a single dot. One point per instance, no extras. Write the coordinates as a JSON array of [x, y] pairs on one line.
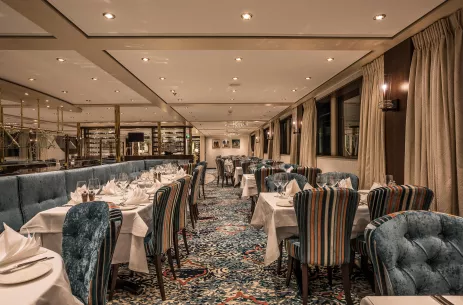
[[324, 218], [163, 211], [309, 172], [195, 185], [180, 207], [203, 176], [263, 173], [100, 279], [188, 168], [353, 178]]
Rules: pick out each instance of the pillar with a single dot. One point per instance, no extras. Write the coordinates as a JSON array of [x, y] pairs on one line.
[[117, 131], [334, 125], [159, 138], [79, 141]]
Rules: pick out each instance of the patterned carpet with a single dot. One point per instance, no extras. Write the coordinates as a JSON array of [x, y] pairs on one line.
[[225, 265]]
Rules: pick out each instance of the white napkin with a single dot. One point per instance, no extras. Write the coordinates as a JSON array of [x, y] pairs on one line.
[[156, 186], [307, 186], [110, 188], [289, 170], [292, 188], [181, 173], [76, 197], [346, 183], [136, 197], [376, 185], [15, 247]]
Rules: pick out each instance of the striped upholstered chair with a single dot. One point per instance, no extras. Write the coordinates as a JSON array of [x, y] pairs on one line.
[[324, 218], [391, 199], [180, 215], [416, 253], [203, 177], [193, 203], [188, 168], [353, 178], [260, 175], [309, 172]]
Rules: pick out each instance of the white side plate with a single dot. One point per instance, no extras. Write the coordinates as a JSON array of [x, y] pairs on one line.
[[25, 275]]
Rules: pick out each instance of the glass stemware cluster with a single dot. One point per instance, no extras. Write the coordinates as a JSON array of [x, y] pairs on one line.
[[280, 180]]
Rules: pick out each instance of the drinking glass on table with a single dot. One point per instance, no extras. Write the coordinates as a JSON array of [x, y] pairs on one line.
[[112, 177], [93, 187], [284, 183], [321, 180], [277, 182], [81, 184]]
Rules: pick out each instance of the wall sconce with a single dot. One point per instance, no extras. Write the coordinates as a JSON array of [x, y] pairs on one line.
[[269, 135], [257, 139], [297, 127], [387, 103]]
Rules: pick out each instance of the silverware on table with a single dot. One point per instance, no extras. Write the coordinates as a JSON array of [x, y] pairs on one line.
[[26, 264]]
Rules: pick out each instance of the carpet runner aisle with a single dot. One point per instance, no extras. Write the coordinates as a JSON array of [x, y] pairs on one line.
[[225, 265]]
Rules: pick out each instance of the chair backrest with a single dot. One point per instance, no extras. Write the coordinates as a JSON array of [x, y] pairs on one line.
[[261, 174], [163, 211], [236, 163], [203, 175], [220, 167], [188, 168], [353, 178], [10, 213], [309, 172], [103, 269], [391, 199], [325, 217], [417, 253], [180, 206], [195, 184], [84, 230], [286, 166], [245, 165], [270, 181]]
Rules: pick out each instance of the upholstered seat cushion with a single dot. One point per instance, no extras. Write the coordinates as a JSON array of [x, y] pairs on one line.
[[293, 247], [10, 213], [75, 175]]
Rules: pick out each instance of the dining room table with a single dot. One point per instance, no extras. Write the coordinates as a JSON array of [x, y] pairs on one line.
[[237, 175], [41, 283], [413, 300], [249, 186], [280, 222]]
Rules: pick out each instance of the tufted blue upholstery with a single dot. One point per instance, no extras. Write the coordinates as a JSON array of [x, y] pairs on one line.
[[136, 167], [286, 166], [10, 212], [152, 163], [74, 175], [269, 181], [42, 191], [84, 230], [124, 167], [353, 178], [102, 172], [417, 253]]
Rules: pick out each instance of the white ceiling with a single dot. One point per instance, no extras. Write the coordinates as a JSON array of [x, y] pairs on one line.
[[13, 23], [270, 17], [207, 76]]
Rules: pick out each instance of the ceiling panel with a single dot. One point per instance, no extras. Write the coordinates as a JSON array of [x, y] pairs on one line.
[[270, 17], [74, 76], [207, 76], [13, 23]]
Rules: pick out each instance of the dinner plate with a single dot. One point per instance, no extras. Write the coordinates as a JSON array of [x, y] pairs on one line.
[[128, 207], [25, 275], [285, 203]]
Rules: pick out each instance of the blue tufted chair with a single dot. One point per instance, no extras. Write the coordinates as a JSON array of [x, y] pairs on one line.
[[180, 215], [193, 204], [269, 181], [10, 212], [203, 177], [416, 253], [324, 218], [309, 172], [287, 165], [353, 178], [391, 199], [84, 231]]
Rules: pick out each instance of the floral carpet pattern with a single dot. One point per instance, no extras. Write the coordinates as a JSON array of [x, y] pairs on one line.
[[225, 265]]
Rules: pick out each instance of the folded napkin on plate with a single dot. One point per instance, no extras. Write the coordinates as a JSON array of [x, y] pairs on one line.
[[110, 188], [136, 197], [292, 188], [289, 169], [76, 197], [307, 186], [156, 186], [346, 183], [376, 185], [15, 247]]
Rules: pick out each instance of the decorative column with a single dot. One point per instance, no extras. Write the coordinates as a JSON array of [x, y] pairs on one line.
[[117, 131], [66, 151], [62, 119], [159, 138], [2, 132], [334, 125], [57, 120], [38, 136], [23, 136], [79, 141]]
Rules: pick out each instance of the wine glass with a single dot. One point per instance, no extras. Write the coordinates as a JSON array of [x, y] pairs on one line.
[[277, 182], [112, 177], [80, 186], [284, 182], [321, 180], [94, 185]]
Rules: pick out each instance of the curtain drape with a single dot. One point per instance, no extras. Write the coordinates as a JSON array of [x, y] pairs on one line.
[[372, 156], [309, 135], [258, 147], [434, 126], [276, 140], [293, 148]]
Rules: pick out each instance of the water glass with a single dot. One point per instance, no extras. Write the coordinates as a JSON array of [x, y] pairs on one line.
[[321, 180], [81, 184], [93, 185]]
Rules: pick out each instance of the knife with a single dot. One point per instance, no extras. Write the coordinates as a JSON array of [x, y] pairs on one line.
[[441, 300], [12, 269]]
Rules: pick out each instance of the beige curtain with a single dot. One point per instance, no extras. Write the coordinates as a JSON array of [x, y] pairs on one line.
[[276, 140], [293, 148], [309, 134], [372, 159], [259, 147], [434, 126]]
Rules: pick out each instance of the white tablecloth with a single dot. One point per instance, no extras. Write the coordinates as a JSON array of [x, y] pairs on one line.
[[238, 174], [409, 300], [280, 223], [248, 184], [130, 246], [51, 289]]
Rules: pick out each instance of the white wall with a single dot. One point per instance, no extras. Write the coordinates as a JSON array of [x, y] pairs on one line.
[[333, 164], [211, 154]]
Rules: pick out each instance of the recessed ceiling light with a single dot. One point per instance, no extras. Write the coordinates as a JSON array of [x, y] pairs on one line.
[[61, 106], [108, 108], [379, 17], [48, 106], [162, 78], [234, 90], [145, 59], [64, 91], [60, 59], [33, 109], [131, 99], [94, 78], [308, 78], [146, 108], [46, 101], [246, 16], [235, 78], [180, 100], [230, 107], [32, 79], [173, 91], [70, 110], [26, 93], [117, 91], [238, 59], [294, 90], [109, 15], [330, 59], [232, 99]]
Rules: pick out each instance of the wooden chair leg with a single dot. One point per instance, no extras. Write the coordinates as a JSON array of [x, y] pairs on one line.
[[346, 282], [290, 270], [222, 180], [177, 255], [280, 258], [197, 212], [157, 260], [330, 275], [204, 192], [218, 180], [192, 217], [352, 262], [171, 262], [305, 283], [112, 287], [185, 242]]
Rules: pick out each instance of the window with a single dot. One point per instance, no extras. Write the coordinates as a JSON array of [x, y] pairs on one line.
[[285, 136], [348, 102], [266, 140], [324, 127]]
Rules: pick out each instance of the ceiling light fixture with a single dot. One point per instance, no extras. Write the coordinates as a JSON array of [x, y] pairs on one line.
[[48, 106], [294, 90], [70, 110], [246, 16], [145, 59], [379, 17], [94, 78], [330, 59], [32, 79], [109, 15], [308, 78], [235, 78], [61, 106], [64, 91], [26, 93], [117, 91], [162, 78], [238, 59], [234, 90], [60, 59]]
